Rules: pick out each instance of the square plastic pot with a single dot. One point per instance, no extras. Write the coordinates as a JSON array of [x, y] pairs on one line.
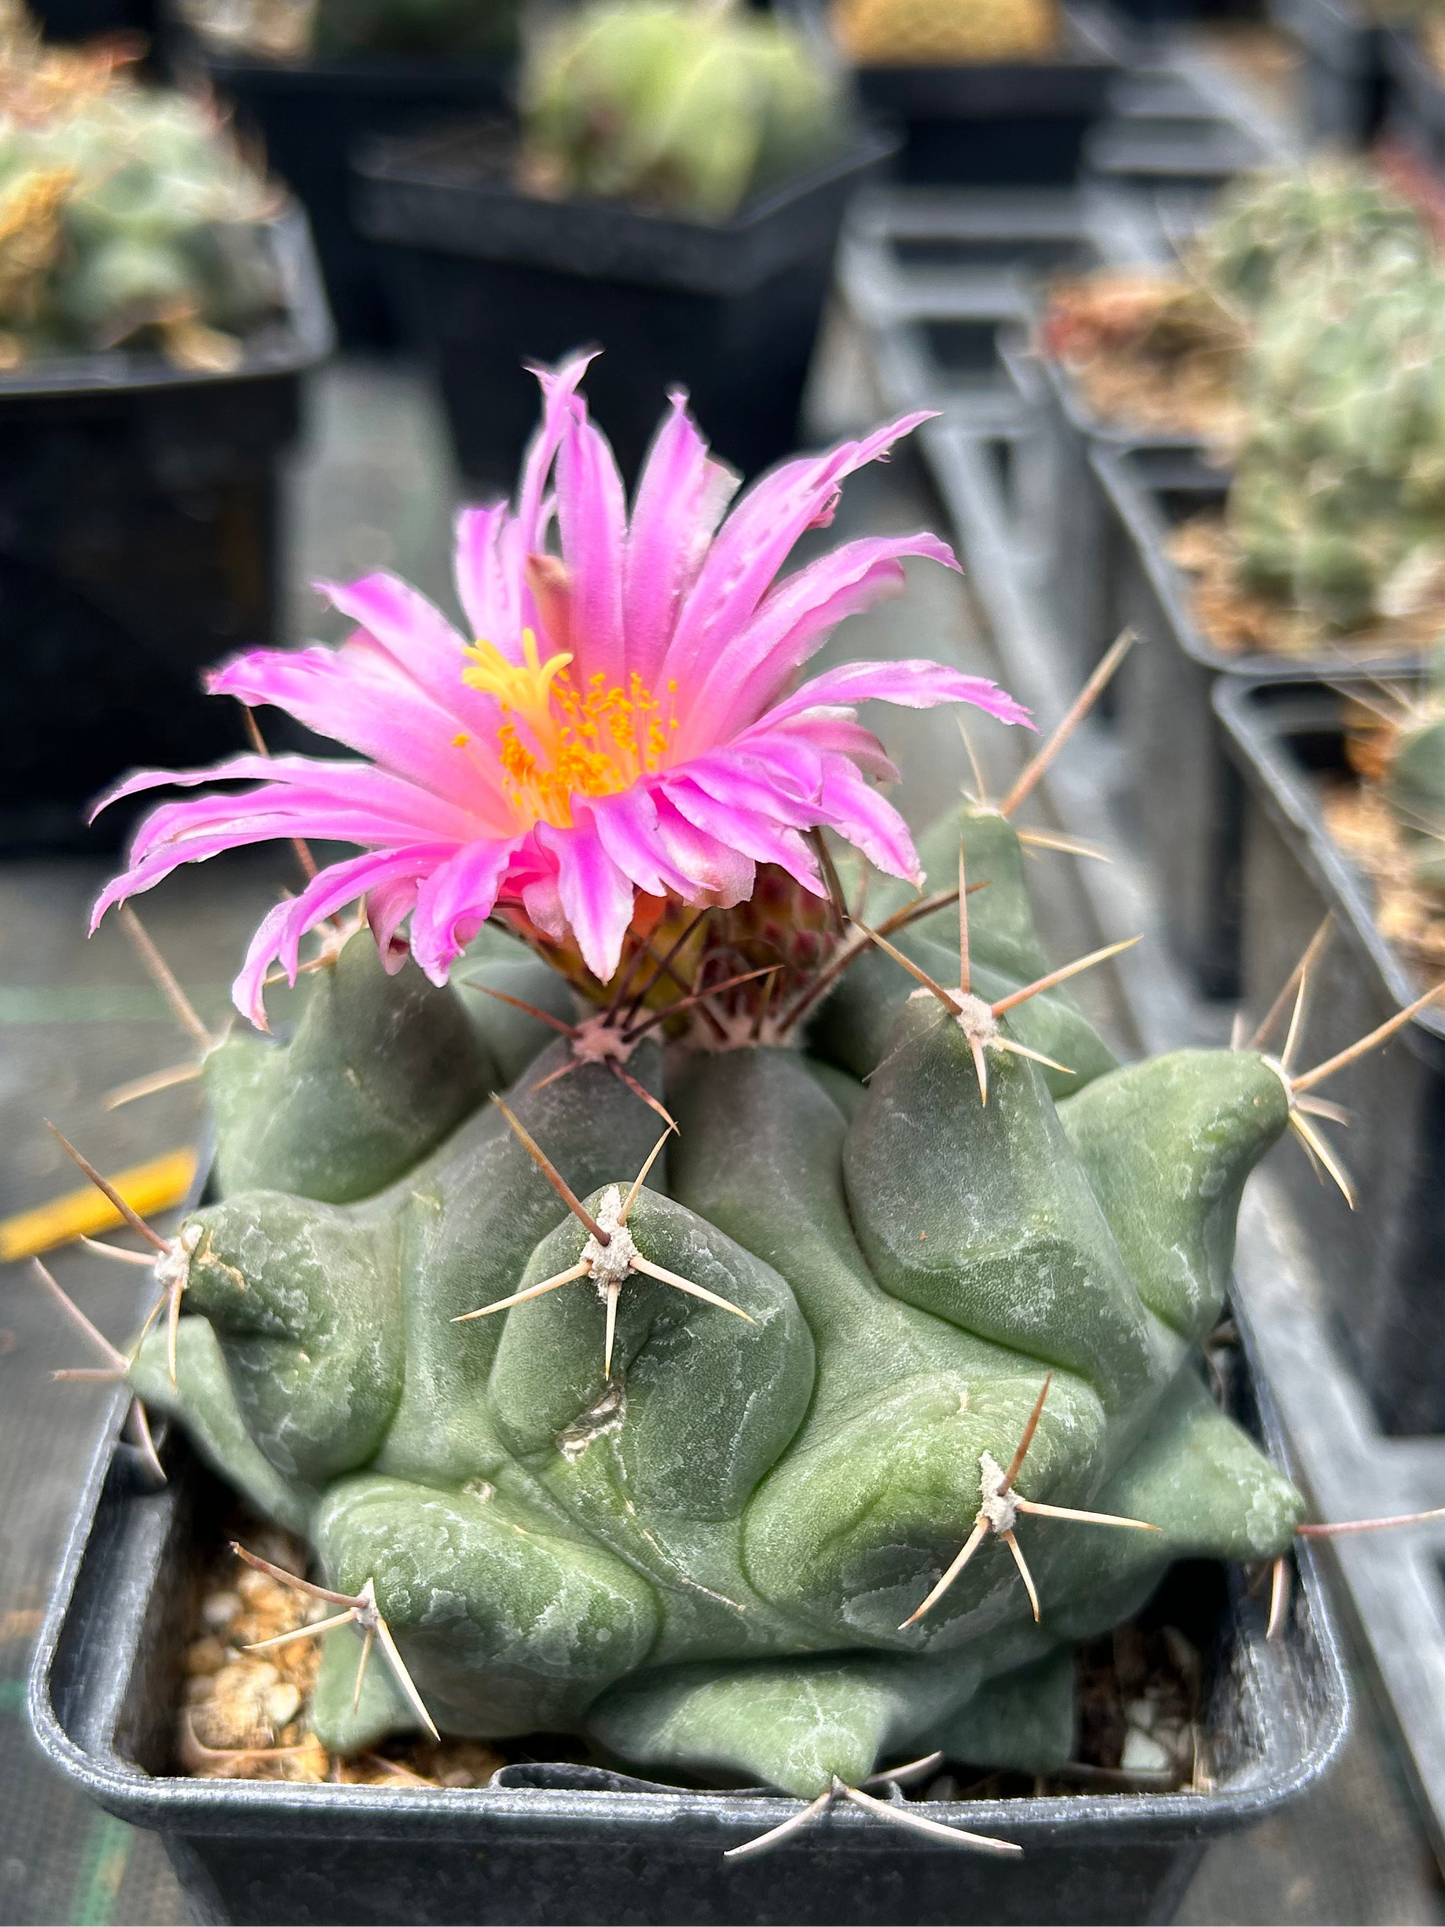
[[310, 114], [138, 544], [1005, 123], [1380, 1265], [1187, 800], [1343, 55], [495, 277], [566, 1843]]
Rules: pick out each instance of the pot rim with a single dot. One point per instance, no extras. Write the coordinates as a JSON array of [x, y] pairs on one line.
[[300, 338]]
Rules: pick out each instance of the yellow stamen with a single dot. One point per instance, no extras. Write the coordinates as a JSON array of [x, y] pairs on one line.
[[558, 740]]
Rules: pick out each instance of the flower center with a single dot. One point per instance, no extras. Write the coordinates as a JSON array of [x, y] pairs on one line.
[[557, 739]]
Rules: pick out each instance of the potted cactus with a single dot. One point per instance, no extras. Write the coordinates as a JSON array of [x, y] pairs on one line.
[[731, 1420], [157, 301], [1157, 353], [1321, 551], [1342, 833], [676, 188], [989, 92], [309, 79], [1150, 359]]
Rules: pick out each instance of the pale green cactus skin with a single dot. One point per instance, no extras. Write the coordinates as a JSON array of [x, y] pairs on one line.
[[1272, 227], [163, 216], [703, 1566], [1338, 501], [688, 108]]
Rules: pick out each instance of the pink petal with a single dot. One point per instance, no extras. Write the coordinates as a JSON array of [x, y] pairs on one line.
[[793, 622], [485, 589], [281, 930], [762, 785], [592, 522], [835, 732], [756, 540], [388, 905], [463, 890], [914, 684], [627, 825], [720, 872], [869, 821], [756, 834], [596, 897], [415, 633], [355, 695], [559, 386], [681, 495]]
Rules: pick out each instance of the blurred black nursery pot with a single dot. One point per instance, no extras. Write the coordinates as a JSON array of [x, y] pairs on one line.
[[675, 189], [157, 299]]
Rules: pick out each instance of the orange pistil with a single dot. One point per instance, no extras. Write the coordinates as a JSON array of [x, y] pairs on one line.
[[558, 741]]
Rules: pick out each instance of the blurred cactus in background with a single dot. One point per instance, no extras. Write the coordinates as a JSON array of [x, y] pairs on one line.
[[1272, 226], [685, 107], [927, 33], [1338, 503], [126, 213]]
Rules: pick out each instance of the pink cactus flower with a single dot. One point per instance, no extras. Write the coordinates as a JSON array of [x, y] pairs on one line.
[[625, 721]]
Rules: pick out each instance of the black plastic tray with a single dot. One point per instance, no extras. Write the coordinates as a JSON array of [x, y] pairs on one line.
[[1018, 123], [1084, 540], [496, 277], [567, 1843], [1382, 1264], [139, 538], [309, 115], [1187, 798]]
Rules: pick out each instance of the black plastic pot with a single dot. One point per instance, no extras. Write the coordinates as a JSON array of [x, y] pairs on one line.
[[1416, 98], [1343, 54], [138, 544], [560, 1844], [1007, 123], [1187, 801], [1381, 1265], [495, 277], [310, 115], [71, 20]]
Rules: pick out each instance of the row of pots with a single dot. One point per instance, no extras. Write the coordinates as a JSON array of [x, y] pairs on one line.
[[1227, 753]]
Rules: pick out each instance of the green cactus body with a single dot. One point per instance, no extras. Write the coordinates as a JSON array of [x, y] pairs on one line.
[[1274, 226], [686, 107], [132, 210], [852, 1026], [1339, 493], [704, 1563]]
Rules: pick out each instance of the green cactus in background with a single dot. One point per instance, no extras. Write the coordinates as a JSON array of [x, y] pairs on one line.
[[1414, 782], [1338, 502], [1272, 226], [124, 210], [693, 1493], [686, 107]]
